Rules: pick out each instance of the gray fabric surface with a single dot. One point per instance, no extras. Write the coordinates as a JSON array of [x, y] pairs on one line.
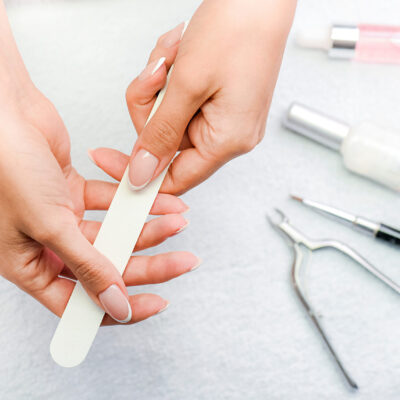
[[234, 329]]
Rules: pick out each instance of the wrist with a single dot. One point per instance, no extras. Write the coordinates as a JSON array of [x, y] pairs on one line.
[[250, 21]]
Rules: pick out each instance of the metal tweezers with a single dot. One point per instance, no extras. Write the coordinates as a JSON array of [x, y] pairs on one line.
[[299, 241]]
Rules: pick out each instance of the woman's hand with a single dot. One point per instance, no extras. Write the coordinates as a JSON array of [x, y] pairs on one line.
[[218, 97], [42, 231], [43, 235]]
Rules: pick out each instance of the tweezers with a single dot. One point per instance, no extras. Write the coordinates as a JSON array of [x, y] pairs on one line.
[[298, 241]]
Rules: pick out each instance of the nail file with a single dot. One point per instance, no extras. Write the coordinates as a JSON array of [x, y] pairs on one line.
[[116, 239]]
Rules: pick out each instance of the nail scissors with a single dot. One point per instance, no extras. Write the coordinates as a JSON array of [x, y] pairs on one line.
[[299, 241]]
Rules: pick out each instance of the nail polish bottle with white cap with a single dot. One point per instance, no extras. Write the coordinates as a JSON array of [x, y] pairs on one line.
[[367, 149]]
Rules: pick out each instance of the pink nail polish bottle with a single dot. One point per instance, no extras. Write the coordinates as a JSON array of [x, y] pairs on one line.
[[364, 42]]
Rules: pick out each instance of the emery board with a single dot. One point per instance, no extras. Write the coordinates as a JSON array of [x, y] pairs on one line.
[[116, 240]]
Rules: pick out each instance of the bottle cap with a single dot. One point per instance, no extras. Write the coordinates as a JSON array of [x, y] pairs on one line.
[[344, 41], [316, 126], [339, 40]]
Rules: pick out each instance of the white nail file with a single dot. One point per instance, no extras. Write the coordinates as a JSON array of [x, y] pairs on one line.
[[116, 239]]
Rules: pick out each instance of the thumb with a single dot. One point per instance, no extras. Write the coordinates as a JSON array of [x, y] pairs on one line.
[[161, 137], [96, 273]]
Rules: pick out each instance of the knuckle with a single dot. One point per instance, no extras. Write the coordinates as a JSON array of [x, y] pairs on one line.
[[49, 233], [88, 273], [129, 94], [182, 78], [166, 134], [192, 88], [248, 144], [31, 281], [245, 141], [161, 39]]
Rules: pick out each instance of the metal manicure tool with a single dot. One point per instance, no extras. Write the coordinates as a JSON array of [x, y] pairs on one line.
[[301, 242], [376, 229]]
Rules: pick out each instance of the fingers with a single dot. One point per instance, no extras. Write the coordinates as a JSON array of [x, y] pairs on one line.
[[147, 270], [56, 295], [153, 233], [160, 138], [141, 93], [168, 204], [99, 194], [189, 169], [141, 96], [157, 230], [97, 274], [112, 162], [145, 306]]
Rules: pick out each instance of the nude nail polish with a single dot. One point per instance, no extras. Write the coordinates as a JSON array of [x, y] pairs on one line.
[[151, 69], [164, 308], [183, 227], [172, 37], [90, 155], [199, 261], [116, 304], [142, 169]]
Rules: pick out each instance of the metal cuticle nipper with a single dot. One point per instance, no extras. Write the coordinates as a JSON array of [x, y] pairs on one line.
[[280, 222]]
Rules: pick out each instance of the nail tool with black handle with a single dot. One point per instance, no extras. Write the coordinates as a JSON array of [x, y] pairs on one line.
[[376, 229]]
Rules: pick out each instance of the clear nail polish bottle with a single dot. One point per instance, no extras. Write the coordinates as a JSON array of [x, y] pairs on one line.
[[364, 42], [367, 149]]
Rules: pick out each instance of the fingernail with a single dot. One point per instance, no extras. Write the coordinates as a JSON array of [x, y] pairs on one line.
[[90, 155], [186, 209], [151, 69], [183, 227], [141, 169], [199, 261], [116, 304], [173, 36], [163, 308]]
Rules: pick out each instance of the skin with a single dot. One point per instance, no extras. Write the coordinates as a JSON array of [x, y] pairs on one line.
[[43, 236], [215, 109], [218, 97]]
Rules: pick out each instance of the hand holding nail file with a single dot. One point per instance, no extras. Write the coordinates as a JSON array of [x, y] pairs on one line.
[[377, 229], [116, 240]]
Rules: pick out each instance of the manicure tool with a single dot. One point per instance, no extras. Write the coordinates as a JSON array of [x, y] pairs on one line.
[[376, 229], [116, 239], [299, 242]]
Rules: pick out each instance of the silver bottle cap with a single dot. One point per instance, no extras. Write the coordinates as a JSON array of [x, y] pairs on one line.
[[316, 126], [344, 39]]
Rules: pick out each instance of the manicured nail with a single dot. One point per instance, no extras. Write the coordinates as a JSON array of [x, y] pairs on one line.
[[199, 261], [90, 155], [141, 169], [164, 307], [183, 227], [151, 69], [172, 37], [116, 304], [186, 209]]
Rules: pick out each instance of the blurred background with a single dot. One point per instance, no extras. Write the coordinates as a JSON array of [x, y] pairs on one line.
[[235, 329]]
